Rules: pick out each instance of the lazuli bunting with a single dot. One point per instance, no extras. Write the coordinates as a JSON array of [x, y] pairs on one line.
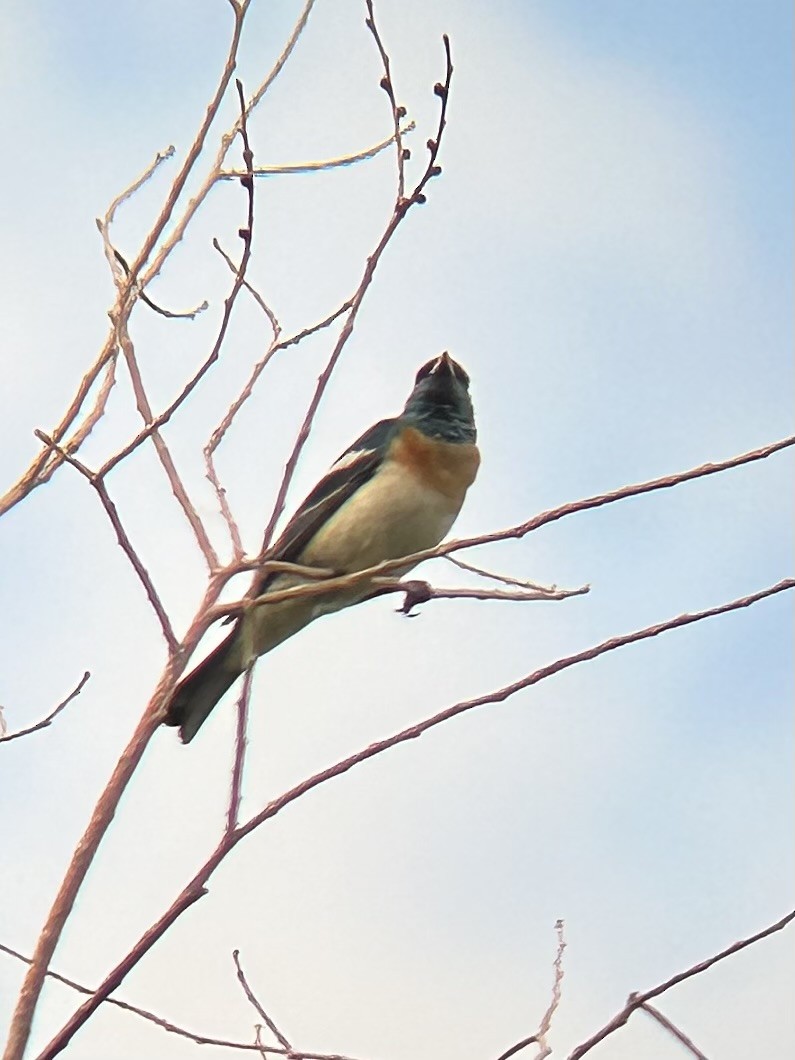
[[395, 491]]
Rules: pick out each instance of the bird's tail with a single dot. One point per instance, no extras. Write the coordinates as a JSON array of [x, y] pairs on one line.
[[196, 695]]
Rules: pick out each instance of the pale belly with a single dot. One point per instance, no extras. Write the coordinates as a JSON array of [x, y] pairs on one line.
[[358, 536]]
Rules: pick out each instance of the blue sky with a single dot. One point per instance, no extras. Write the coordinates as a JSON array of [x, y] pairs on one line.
[[609, 254]]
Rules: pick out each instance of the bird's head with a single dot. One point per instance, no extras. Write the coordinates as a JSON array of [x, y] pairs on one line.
[[440, 404]]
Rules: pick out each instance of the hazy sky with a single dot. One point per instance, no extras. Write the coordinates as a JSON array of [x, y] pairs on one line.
[[609, 253]]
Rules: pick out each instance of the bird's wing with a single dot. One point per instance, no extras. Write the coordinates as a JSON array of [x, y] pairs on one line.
[[354, 467]]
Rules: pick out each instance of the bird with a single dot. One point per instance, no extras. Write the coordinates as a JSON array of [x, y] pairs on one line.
[[396, 490]]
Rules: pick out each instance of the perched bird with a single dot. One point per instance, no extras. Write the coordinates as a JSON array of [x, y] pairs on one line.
[[395, 491]]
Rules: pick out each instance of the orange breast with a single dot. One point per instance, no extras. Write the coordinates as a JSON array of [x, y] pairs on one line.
[[449, 467]]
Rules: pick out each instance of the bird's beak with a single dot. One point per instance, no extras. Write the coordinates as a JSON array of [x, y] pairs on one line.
[[442, 365]]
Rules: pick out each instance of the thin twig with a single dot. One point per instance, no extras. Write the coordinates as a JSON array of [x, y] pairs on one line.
[[266, 309], [124, 301], [113, 258], [518, 1046], [572, 508], [226, 140], [673, 1029], [106, 807], [46, 462], [93, 417], [401, 207], [417, 592], [398, 112], [196, 887], [276, 345], [154, 423], [51, 716], [136, 1010], [520, 583], [299, 336], [500, 695], [101, 817], [349, 581], [131, 287], [236, 785], [600, 499], [137, 184], [546, 1019], [539, 1037], [163, 452], [123, 538], [172, 1028], [247, 235], [635, 1001], [240, 10], [64, 900], [80, 434], [169, 314], [315, 167], [254, 1001], [420, 592], [551, 515]]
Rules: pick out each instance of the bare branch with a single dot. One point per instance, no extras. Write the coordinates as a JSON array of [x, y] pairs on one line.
[[380, 570], [131, 189], [169, 314], [539, 1037], [101, 818], [324, 323], [136, 1010], [397, 112], [196, 887], [154, 423], [254, 1001], [601, 499], [123, 539], [417, 591], [554, 514], [401, 207], [236, 785], [520, 583], [51, 716], [46, 463], [247, 235], [125, 299], [278, 344], [127, 290], [82, 858], [672, 1029], [315, 167], [546, 1019], [178, 185], [228, 137], [518, 1046], [92, 418], [266, 309], [499, 696], [172, 1028], [420, 592], [635, 1001], [163, 452], [131, 286]]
